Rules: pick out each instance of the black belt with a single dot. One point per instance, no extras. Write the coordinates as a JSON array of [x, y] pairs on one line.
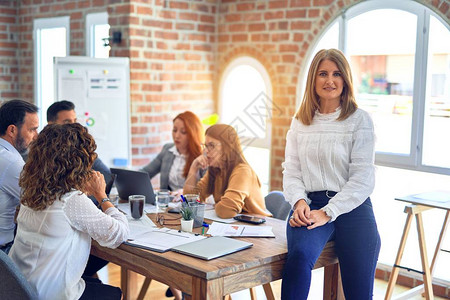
[[329, 194]]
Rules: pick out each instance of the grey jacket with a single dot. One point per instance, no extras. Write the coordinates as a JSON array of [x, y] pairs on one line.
[[161, 164]]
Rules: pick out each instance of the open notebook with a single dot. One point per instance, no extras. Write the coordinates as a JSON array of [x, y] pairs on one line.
[[212, 247]]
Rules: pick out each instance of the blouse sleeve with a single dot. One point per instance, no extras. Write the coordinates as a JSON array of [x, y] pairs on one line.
[[361, 180], [238, 189], [109, 228], [293, 186]]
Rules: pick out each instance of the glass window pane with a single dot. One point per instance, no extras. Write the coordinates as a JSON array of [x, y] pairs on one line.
[[382, 60], [329, 40], [49, 48], [100, 32], [436, 147], [241, 88], [259, 159]]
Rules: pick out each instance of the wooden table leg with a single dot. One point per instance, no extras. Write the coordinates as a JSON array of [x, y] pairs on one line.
[[401, 249], [206, 290], [128, 283], [268, 291], [424, 258], [144, 288]]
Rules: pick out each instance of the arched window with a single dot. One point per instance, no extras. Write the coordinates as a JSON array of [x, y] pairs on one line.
[[245, 102], [401, 70], [399, 52]]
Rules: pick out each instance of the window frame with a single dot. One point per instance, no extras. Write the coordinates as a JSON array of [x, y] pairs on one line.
[[38, 25], [92, 20], [413, 161]]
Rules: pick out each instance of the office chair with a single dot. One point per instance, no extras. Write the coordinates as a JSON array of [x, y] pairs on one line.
[[14, 285], [277, 205]]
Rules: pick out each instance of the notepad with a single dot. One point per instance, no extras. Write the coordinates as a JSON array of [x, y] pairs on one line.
[[212, 247], [162, 239]]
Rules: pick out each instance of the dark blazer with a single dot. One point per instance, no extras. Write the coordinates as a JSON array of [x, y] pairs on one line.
[[162, 164]]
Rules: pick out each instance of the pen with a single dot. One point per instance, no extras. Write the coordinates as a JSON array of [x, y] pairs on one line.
[[205, 225], [182, 198]]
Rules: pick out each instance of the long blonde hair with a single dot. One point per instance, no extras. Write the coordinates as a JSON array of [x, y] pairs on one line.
[[311, 101]]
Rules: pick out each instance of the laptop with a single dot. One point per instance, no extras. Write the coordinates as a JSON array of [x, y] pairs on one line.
[[129, 182], [212, 247]]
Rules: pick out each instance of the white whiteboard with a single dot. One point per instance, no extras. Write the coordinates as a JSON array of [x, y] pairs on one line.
[[100, 90]]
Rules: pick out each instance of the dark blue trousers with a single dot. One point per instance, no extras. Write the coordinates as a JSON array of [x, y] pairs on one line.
[[357, 245]]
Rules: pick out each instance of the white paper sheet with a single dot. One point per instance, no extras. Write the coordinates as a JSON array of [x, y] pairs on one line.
[[219, 229], [211, 214]]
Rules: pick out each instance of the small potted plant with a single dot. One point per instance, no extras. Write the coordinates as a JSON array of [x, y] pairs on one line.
[[187, 219]]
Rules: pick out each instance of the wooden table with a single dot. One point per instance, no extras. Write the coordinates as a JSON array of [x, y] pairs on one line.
[[259, 265], [418, 204]]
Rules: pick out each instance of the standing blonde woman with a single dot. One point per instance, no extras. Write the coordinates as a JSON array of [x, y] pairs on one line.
[[328, 177], [57, 220], [230, 179]]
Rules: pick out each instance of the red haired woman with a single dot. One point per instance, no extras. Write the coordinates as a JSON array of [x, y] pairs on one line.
[[175, 159]]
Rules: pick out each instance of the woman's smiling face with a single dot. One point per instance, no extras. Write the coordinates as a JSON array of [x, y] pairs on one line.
[[329, 82]]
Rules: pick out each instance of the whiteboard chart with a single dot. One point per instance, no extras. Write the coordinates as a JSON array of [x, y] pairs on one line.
[[100, 90]]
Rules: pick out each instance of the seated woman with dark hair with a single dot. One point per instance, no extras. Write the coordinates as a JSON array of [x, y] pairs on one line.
[[57, 220], [230, 179]]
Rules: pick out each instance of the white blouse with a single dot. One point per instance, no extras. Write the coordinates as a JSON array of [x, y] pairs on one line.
[[331, 155], [52, 246], [176, 178]]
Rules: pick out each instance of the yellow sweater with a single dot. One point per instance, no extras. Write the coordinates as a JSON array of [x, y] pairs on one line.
[[243, 193]]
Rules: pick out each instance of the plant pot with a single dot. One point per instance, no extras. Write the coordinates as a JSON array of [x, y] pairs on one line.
[[186, 225]]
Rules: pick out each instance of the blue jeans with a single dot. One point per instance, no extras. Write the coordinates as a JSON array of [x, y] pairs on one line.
[[357, 245]]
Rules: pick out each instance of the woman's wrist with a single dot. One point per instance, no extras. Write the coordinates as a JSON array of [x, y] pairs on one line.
[[100, 196], [298, 201]]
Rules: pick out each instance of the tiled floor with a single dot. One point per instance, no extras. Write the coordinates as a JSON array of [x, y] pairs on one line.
[[111, 275]]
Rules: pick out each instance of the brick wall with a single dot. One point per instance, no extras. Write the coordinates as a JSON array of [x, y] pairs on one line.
[[178, 51], [279, 34], [9, 67], [171, 48], [171, 45]]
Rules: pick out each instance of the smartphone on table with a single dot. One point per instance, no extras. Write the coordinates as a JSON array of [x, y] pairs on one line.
[[250, 219]]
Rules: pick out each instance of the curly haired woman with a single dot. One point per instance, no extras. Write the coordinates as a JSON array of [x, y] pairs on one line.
[[57, 220]]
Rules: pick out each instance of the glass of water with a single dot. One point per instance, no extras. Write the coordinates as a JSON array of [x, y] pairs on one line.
[[162, 200]]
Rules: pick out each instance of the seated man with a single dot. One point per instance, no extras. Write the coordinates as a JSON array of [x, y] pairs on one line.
[[19, 122], [63, 112]]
